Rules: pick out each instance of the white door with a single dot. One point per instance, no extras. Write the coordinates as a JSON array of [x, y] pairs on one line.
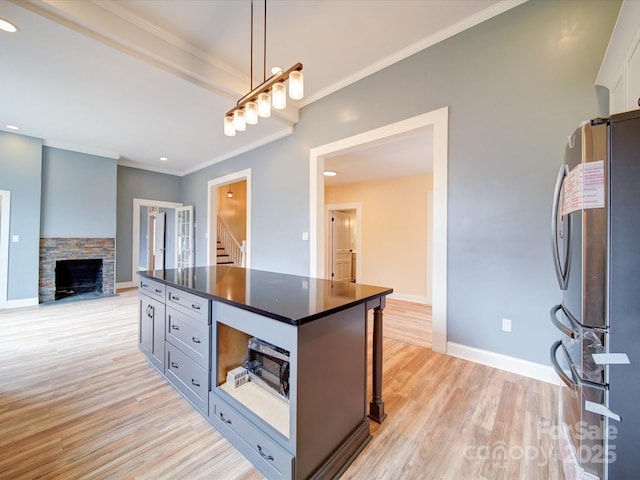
[[158, 236], [184, 236], [155, 241], [341, 245]]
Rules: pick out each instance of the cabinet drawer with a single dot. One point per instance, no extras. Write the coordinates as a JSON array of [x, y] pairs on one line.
[[197, 307], [152, 288], [192, 336], [273, 460], [188, 377]]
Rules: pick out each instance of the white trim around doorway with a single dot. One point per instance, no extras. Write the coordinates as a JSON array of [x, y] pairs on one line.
[[439, 120], [135, 242], [5, 202]]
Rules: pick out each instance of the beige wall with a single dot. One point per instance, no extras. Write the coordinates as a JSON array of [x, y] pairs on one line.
[[395, 221], [233, 211]]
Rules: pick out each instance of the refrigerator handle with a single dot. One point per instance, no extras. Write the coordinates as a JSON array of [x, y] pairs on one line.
[[562, 271], [569, 382], [569, 332]]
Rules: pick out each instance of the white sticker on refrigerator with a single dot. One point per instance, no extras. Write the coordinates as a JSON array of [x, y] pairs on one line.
[[584, 187]]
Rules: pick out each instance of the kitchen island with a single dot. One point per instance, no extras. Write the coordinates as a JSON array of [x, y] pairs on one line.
[[277, 363]]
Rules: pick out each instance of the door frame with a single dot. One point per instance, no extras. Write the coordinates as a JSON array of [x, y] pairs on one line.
[[135, 242], [439, 121], [212, 209], [345, 206], [5, 212]]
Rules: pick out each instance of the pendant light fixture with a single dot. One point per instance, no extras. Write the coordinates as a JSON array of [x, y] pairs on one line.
[[271, 92]]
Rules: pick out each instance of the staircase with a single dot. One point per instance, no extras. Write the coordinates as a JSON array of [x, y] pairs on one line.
[[222, 257]]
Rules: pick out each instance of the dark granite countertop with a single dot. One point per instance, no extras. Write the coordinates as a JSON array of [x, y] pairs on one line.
[[289, 298]]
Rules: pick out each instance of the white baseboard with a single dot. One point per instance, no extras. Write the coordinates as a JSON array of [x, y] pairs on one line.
[[22, 302], [124, 285], [409, 298], [526, 368]]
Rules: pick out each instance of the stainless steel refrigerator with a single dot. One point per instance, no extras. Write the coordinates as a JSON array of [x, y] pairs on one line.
[[596, 251]]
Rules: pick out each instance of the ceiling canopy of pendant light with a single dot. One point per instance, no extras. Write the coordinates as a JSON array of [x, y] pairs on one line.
[[272, 92]]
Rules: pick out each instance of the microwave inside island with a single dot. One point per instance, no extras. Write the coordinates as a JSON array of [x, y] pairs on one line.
[[256, 373]]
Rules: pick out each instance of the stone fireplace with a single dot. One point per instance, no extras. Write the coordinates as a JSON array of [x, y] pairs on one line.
[[80, 265]]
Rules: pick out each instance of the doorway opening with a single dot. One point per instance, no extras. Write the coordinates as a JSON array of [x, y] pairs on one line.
[[229, 219], [438, 121], [5, 197], [140, 241]]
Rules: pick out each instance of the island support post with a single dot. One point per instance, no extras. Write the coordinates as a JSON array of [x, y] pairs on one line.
[[376, 406]]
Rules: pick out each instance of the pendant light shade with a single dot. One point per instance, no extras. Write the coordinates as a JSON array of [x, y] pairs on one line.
[[296, 85], [279, 96], [264, 105], [251, 113], [238, 120], [229, 128]]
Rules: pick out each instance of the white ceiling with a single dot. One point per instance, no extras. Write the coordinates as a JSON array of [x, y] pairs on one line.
[[402, 156], [138, 80]]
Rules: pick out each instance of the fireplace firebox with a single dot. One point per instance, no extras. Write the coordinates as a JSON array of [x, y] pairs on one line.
[[75, 277]]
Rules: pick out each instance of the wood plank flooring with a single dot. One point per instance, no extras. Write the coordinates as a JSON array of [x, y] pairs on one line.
[[407, 322], [78, 401]]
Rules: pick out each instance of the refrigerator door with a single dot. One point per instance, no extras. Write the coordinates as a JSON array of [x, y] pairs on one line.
[[583, 434], [584, 195]]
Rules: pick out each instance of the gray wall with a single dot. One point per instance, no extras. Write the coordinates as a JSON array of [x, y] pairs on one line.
[[78, 195], [136, 183], [516, 86], [20, 173]]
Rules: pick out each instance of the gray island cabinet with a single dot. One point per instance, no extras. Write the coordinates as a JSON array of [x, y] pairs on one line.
[[277, 363]]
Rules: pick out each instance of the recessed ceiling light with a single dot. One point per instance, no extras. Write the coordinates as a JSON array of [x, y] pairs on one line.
[[329, 173], [12, 127], [7, 26], [164, 159]]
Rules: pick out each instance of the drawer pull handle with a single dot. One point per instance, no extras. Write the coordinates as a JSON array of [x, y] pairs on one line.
[[144, 285], [175, 327], [224, 420], [195, 307], [194, 382], [195, 340], [173, 297], [158, 290], [174, 365], [264, 455]]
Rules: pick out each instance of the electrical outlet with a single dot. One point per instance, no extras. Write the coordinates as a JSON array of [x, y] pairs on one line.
[[506, 325]]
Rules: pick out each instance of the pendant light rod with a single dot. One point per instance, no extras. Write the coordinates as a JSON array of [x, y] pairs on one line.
[[251, 53], [264, 45]]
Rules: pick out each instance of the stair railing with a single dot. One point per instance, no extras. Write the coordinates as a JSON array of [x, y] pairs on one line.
[[233, 248]]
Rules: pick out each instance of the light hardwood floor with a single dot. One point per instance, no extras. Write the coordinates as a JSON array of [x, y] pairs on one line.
[[78, 401]]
